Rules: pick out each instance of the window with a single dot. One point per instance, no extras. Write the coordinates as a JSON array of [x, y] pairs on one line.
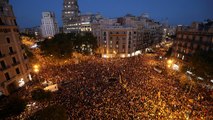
[[3, 65], [25, 55], [1, 9], [1, 23], [1, 53], [7, 76], [17, 71], [15, 22], [14, 60], [8, 40], [104, 33], [27, 66], [11, 49], [201, 38]]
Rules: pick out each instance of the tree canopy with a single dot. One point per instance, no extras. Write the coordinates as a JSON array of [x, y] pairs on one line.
[[14, 106], [202, 62], [63, 45], [40, 95], [54, 112]]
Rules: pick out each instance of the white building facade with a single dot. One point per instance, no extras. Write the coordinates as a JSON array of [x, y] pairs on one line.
[[49, 25]]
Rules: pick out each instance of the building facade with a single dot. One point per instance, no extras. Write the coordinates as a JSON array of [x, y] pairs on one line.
[[14, 67], [189, 39], [118, 41], [49, 25], [126, 36], [71, 16]]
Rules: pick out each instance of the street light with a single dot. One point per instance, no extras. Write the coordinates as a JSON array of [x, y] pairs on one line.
[[169, 63], [36, 68]]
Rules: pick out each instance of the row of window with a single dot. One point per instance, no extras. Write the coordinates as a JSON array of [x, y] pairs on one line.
[[11, 51], [120, 33], [8, 30], [7, 75], [3, 65]]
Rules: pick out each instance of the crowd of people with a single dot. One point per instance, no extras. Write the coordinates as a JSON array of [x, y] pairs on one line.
[[124, 88], [136, 91]]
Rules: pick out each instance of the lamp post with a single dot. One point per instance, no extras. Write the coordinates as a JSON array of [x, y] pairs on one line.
[[36, 68]]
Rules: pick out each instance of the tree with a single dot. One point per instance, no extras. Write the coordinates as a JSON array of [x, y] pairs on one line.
[[54, 112], [59, 46], [40, 95], [202, 62], [15, 106], [63, 45], [169, 52]]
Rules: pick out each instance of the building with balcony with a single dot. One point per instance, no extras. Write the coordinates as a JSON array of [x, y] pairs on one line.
[[49, 25], [14, 67], [189, 39], [126, 36]]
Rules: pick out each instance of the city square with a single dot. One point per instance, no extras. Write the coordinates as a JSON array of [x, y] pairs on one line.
[[89, 66]]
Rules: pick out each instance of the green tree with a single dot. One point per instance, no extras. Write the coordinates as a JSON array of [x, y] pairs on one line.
[[15, 106], [202, 62], [63, 45], [169, 52], [54, 112], [40, 95]]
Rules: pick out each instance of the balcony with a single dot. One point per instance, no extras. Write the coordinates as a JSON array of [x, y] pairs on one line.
[[4, 68], [12, 53], [2, 55], [17, 63]]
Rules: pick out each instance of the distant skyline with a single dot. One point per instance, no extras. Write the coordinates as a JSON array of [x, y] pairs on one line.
[[28, 12]]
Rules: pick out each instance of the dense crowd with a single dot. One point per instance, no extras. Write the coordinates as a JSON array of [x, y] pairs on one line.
[[125, 89]]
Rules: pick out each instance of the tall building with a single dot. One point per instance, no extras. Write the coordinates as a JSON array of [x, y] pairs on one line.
[[71, 16], [49, 25], [14, 68], [189, 39]]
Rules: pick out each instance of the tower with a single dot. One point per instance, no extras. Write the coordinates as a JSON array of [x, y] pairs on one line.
[[70, 16], [49, 26], [14, 67]]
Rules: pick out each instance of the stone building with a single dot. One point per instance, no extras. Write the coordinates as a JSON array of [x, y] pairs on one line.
[[14, 67]]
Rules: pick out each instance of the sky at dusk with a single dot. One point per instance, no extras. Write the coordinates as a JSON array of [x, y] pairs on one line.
[[28, 12]]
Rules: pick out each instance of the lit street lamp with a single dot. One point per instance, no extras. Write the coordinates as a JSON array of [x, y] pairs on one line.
[[36, 68]]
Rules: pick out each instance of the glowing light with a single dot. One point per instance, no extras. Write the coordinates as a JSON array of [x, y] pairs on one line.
[[123, 56], [30, 77], [169, 62], [21, 82], [36, 68], [105, 56], [175, 67]]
